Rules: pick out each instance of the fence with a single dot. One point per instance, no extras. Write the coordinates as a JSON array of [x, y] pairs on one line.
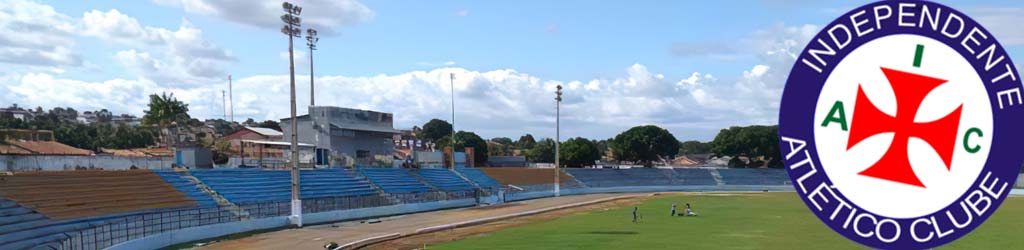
[[113, 231]]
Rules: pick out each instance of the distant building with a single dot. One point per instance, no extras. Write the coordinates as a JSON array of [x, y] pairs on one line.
[[254, 134], [87, 117], [17, 113], [344, 136]]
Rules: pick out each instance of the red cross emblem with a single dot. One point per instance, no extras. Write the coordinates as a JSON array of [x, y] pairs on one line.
[[910, 90]]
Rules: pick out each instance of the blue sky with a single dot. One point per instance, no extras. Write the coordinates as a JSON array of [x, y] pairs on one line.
[[691, 66]]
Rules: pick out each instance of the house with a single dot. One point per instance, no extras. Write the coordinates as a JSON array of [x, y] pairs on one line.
[[16, 112], [254, 134], [352, 136]]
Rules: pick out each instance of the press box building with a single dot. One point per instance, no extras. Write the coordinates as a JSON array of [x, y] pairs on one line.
[[345, 136]]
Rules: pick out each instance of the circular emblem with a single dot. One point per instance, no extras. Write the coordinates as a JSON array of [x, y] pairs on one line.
[[900, 125]]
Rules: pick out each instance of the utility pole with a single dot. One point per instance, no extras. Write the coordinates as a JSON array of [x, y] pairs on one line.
[[231, 95], [558, 102], [291, 28], [451, 82], [311, 39]]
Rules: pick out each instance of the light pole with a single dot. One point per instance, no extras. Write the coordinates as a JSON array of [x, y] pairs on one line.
[[451, 82], [311, 40], [558, 102], [291, 28]]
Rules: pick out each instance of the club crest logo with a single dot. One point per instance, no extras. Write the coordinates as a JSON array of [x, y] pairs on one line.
[[902, 124]]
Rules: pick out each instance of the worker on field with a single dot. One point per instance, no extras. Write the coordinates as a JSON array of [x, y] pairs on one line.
[[689, 211], [635, 219], [673, 210]]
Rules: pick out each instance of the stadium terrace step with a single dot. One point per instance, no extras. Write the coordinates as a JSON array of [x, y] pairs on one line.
[[79, 194], [527, 176]]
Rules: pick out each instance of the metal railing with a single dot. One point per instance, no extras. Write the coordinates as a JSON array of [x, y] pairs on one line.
[[121, 229]]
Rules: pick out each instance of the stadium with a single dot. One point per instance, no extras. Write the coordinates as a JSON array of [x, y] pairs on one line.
[[658, 124], [409, 209]]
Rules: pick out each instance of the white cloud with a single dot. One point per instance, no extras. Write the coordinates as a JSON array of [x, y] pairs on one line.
[[756, 94], [183, 55], [327, 16], [37, 35], [462, 13]]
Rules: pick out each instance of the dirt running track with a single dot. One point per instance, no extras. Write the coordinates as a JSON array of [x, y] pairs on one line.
[[314, 237]]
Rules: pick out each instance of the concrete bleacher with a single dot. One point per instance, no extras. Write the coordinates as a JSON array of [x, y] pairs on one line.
[[479, 177], [444, 179], [254, 185], [752, 176], [394, 180], [622, 177], [186, 186], [524, 177], [80, 194]]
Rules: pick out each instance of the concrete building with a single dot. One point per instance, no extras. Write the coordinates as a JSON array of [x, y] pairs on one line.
[[344, 136]]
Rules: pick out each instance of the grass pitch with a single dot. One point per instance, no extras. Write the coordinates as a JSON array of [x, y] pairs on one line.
[[726, 221]]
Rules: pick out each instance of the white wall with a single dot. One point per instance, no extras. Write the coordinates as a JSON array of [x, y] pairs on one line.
[[66, 162]]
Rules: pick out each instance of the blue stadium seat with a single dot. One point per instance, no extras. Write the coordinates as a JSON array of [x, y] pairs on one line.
[[22, 228], [444, 179], [254, 185], [186, 186], [621, 177], [751, 176], [394, 180], [479, 177], [695, 177]]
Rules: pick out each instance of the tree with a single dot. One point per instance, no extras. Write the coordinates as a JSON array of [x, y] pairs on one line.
[[164, 109], [271, 124], [644, 144], [543, 151], [752, 141], [435, 129], [694, 147], [498, 149], [502, 140], [104, 116], [578, 152], [526, 142], [467, 139]]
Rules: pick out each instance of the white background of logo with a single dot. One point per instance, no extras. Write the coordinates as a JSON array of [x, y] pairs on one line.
[[861, 67]]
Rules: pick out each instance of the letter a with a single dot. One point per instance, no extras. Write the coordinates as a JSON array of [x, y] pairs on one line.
[[837, 107]]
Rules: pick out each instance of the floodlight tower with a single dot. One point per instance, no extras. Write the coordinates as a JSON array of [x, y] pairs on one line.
[[311, 40], [292, 22], [451, 82], [558, 102]]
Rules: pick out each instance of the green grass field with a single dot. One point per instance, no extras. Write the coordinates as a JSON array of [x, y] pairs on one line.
[[754, 221]]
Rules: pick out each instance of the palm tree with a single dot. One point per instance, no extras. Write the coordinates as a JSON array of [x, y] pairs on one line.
[[164, 110]]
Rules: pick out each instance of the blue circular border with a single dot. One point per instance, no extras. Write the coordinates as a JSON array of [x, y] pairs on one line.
[[800, 97]]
